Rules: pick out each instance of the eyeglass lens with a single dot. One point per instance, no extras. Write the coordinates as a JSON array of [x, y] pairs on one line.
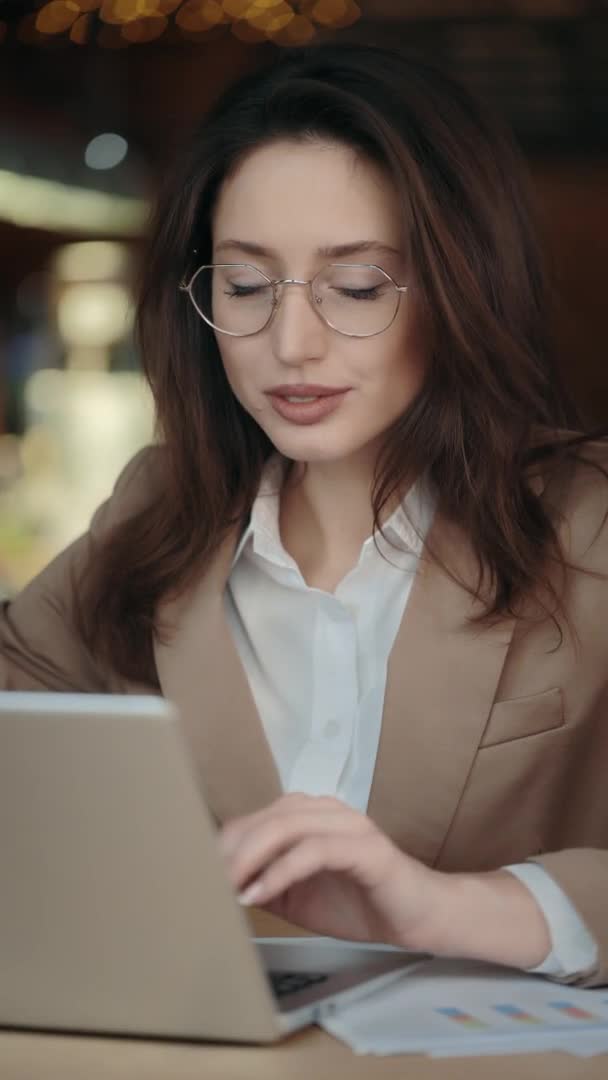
[[238, 299]]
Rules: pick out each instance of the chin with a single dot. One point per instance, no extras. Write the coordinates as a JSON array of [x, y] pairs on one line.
[[312, 442], [299, 450]]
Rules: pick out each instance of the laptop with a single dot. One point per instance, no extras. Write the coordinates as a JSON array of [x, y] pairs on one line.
[[116, 912]]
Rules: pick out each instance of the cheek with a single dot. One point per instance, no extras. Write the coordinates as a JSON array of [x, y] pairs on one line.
[[415, 366], [411, 356], [402, 368]]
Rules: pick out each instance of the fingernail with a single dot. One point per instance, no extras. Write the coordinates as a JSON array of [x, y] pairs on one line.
[[250, 894]]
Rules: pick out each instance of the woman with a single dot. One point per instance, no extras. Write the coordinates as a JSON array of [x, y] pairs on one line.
[[367, 558]]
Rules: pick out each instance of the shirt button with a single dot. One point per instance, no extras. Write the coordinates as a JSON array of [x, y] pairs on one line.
[[332, 728]]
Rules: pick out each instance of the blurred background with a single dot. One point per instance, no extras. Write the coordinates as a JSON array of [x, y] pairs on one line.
[[94, 97]]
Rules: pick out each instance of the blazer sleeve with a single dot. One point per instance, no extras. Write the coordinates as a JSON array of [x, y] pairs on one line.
[[582, 872], [40, 648]]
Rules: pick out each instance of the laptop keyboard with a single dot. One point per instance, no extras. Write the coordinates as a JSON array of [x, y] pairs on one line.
[[289, 982]]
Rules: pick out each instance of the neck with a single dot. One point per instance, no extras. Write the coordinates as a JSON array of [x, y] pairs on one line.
[[326, 512]]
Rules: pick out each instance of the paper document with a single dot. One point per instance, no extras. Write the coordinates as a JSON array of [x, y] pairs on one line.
[[450, 1008]]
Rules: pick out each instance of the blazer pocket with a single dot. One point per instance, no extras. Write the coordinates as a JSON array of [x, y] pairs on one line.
[[520, 717]]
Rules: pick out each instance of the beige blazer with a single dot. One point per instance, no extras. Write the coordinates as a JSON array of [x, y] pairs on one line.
[[494, 744]]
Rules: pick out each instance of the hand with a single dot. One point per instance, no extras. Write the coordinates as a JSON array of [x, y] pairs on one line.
[[317, 863]]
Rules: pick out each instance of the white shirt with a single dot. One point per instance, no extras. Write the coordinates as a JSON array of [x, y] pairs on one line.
[[317, 661]]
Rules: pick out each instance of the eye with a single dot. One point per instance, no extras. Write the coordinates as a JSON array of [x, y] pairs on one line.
[[243, 290], [361, 294]]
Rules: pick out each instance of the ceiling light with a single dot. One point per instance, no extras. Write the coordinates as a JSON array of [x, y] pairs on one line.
[[35, 203], [106, 151]]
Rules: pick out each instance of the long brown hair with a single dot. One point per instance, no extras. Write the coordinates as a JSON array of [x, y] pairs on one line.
[[492, 378]]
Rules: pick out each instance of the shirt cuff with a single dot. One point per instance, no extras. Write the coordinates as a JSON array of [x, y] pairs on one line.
[[574, 950]]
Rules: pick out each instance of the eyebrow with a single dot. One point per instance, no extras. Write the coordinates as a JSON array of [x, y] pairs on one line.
[[335, 251]]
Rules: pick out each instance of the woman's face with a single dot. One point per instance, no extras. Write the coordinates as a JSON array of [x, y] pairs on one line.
[[292, 200]]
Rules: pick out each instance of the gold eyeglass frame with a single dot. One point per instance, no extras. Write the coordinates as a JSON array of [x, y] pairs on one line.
[[314, 301]]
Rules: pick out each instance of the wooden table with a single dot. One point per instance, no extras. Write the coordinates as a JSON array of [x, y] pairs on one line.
[[309, 1055]]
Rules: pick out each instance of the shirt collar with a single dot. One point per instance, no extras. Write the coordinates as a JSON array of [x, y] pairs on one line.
[[407, 526], [263, 525]]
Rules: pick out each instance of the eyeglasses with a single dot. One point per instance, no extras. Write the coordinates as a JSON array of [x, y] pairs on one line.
[[357, 300]]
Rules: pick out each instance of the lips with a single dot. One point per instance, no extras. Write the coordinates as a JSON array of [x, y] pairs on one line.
[[305, 390], [317, 408]]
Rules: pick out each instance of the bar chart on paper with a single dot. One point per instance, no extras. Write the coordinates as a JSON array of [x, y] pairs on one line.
[[452, 1007]]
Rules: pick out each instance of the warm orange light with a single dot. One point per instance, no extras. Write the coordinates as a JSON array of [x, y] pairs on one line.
[[197, 15], [238, 9], [120, 12], [79, 33], [264, 5], [116, 12], [249, 9], [57, 17], [273, 19], [201, 37], [88, 5], [143, 30], [335, 13], [298, 32], [325, 11], [244, 31]]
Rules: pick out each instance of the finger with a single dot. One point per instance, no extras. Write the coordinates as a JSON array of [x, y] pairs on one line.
[[264, 844], [307, 858], [233, 831], [287, 818]]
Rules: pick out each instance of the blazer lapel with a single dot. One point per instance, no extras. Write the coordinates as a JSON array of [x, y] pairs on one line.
[[200, 671], [441, 683]]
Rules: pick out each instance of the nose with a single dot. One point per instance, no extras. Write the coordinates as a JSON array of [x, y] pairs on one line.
[[297, 332]]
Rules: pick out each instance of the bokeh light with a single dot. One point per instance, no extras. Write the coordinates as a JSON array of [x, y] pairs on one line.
[[298, 32], [144, 30], [244, 31], [248, 9], [106, 151], [39, 203], [210, 33], [57, 17], [94, 314], [335, 14], [81, 29], [119, 12], [237, 9], [154, 8], [91, 260], [197, 15], [125, 22], [271, 20], [326, 11]]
